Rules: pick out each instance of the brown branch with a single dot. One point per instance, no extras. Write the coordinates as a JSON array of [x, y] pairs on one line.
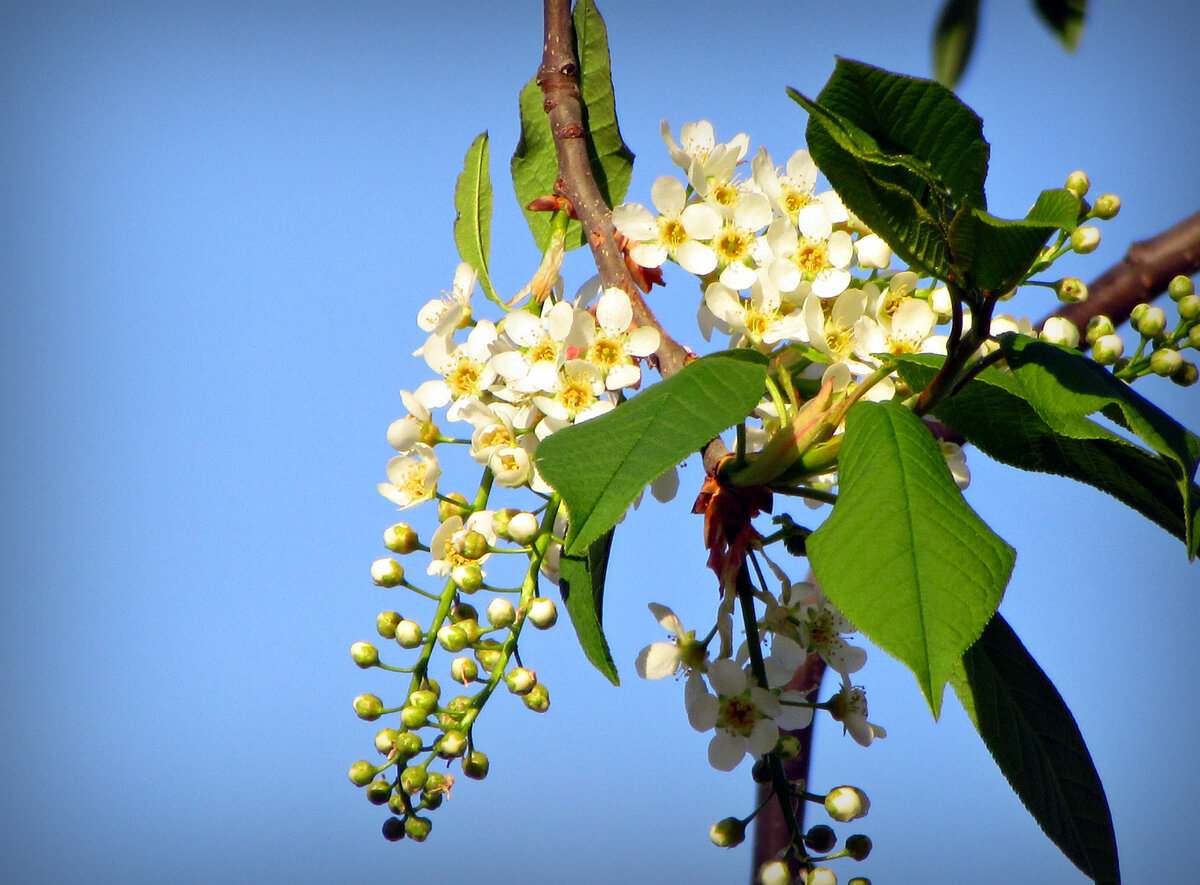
[[1142, 275]]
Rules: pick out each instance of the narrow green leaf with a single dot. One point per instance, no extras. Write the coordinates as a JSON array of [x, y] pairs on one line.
[[473, 203], [581, 583], [611, 159], [1037, 745], [1064, 18], [902, 555], [599, 467], [534, 168], [995, 416], [954, 40]]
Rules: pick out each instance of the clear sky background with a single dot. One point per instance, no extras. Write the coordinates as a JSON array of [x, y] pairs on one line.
[[218, 221]]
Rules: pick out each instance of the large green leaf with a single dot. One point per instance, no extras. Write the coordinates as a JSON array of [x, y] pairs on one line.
[[902, 554], [954, 40], [581, 582], [473, 203], [995, 414], [600, 466], [535, 162], [1064, 18], [1037, 745]]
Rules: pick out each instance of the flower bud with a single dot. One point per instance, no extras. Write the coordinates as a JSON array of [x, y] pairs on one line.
[[475, 765], [727, 833], [941, 302], [820, 876], [452, 638], [523, 528], [1106, 206], [1078, 183], [487, 652], [1165, 362], [1059, 330], [1071, 290], [455, 504], [538, 699], [1189, 307], [542, 613], [396, 806], [1108, 349], [368, 707], [385, 740], [1151, 323], [387, 572], [1193, 338], [520, 681], [858, 846], [379, 791], [500, 613], [362, 773], [364, 654], [423, 699], [385, 624], [418, 828], [873, 251], [1186, 375], [1084, 240], [413, 717], [393, 829], [787, 747], [1136, 314], [820, 838], [409, 634], [407, 745], [500, 520], [463, 611], [775, 872], [859, 880], [412, 779], [472, 545], [760, 772], [452, 744], [847, 803], [458, 707], [463, 670], [1097, 327], [467, 578], [1180, 287], [400, 538]]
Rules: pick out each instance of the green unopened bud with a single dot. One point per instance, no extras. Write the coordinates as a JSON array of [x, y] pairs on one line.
[[500, 520], [467, 578], [396, 804], [1078, 183], [1193, 337], [401, 538], [385, 624], [378, 792], [859, 880], [1106, 206], [423, 699], [475, 765], [538, 699], [820, 876], [412, 779], [368, 707], [432, 799], [1136, 314], [455, 504], [1189, 308], [520, 680], [760, 772], [471, 627], [464, 670], [385, 740], [407, 745], [488, 653], [409, 634], [472, 545], [1071, 290], [543, 613], [820, 838], [775, 872], [858, 846], [501, 613], [452, 745], [1097, 327], [463, 611], [787, 747], [418, 828], [393, 829], [1084, 240], [1180, 287], [847, 803], [523, 528], [1186, 375], [1151, 323], [362, 773], [387, 572], [458, 706], [727, 833], [452, 638], [413, 717], [1108, 349], [364, 654], [1165, 362]]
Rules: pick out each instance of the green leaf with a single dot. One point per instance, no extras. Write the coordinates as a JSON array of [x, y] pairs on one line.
[[473, 203], [1064, 18], [534, 168], [993, 412], [998, 254], [581, 583], [600, 466], [954, 40], [1037, 745], [611, 159], [902, 555]]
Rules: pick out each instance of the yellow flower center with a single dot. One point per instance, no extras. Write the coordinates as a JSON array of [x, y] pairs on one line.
[[606, 353], [811, 257], [576, 394], [671, 233], [723, 193], [793, 200], [732, 245], [464, 378], [737, 715]]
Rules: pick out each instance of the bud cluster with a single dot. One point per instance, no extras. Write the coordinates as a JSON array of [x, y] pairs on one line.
[[1160, 349]]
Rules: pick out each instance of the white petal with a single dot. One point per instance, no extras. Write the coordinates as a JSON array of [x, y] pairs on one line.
[[753, 212], [649, 254], [702, 708], [701, 221], [814, 222], [635, 221], [695, 258], [404, 433], [726, 677], [726, 750], [614, 312], [664, 488], [763, 737], [840, 249], [793, 718], [668, 196], [658, 660], [642, 341], [738, 276], [666, 619]]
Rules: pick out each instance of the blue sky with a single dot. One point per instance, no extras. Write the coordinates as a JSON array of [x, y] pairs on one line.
[[219, 221]]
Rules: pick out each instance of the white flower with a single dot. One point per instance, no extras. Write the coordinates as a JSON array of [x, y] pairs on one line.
[[700, 155], [412, 478], [404, 433], [467, 369], [676, 233], [612, 349], [661, 659], [821, 628], [873, 252], [540, 345], [758, 320], [815, 254], [849, 706], [791, 190], [444, 551], [735, 243], [576, 397], [441, 316], [956, 460]]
